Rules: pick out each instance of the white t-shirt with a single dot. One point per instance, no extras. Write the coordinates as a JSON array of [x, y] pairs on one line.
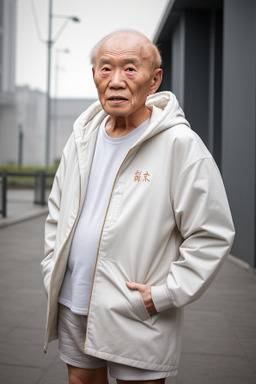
[[108, 156]]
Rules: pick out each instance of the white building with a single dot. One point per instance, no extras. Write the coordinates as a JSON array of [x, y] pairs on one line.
[[23, 126], [31, 120], [64, 113], [31, 123]]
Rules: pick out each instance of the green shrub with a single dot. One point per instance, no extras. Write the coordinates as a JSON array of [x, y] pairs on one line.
[[26, 181]]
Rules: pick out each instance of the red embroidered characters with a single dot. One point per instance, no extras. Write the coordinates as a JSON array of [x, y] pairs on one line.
[[142, 177], [146, 176]]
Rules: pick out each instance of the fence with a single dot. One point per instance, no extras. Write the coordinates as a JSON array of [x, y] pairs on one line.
[[40, 186], [3, 190]]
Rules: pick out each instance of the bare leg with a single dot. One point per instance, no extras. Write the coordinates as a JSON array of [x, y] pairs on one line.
[[87, 376]]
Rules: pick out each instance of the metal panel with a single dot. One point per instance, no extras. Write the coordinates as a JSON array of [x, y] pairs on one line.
[[239, 122]]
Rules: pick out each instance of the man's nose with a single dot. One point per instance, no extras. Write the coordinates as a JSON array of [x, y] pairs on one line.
[[117, 79]]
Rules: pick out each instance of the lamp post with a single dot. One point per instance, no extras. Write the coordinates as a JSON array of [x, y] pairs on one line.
[[50, 43]]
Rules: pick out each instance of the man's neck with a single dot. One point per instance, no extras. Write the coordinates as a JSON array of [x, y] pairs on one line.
[[118, 126]]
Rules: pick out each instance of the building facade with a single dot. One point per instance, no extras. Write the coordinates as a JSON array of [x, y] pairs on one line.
[[64, 113], [31, 122], [22, 136], [8, 127], [209, 62]]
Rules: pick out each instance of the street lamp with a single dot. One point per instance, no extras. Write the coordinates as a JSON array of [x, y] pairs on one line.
[[50, 43]]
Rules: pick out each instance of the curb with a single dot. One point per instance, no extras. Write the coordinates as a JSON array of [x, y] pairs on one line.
[[16, 220]]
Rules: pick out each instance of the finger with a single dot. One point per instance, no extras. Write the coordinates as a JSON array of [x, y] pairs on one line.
[[132, 285]]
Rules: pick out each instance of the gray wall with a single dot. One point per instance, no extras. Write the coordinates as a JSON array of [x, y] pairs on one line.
[[239, 121], [27, 117], [196, 100], [8, 134], [178, 60], [64, 114], [209, 50], [192, 64]]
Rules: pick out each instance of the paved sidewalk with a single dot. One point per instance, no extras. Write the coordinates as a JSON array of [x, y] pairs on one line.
[[219, 345], [21, 207]]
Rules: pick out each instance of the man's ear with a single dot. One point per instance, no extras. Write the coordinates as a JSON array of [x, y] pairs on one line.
[[93, 72], [156, 80]]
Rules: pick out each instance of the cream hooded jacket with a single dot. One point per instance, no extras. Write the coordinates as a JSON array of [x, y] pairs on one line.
[[167, 224]]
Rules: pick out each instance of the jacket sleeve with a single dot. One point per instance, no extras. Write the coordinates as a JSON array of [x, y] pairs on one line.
[[51, 224], [204, 220]]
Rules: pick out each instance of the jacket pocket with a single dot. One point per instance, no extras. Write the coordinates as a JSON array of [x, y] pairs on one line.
[[47, 266], [111, 279], [138, 305]]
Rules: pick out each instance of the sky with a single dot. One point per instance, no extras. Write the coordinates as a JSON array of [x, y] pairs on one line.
[[71, 72]]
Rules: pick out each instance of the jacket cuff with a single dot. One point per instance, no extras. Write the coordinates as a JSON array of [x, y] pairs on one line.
[[161, 297]]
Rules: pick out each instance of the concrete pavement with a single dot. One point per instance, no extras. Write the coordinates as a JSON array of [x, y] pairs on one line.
[[20, 207], [219, 345]]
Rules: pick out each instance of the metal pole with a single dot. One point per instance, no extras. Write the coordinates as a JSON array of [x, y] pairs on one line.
[[20, 153], [48, 96], [3, 194]]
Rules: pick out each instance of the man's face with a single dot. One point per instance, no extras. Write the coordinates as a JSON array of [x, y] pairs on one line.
[[123, 75]]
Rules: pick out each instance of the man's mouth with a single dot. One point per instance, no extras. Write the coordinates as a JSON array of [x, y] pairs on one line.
[[117, 98]]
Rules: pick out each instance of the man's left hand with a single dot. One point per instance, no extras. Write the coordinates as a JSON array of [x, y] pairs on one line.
[[145, 291]]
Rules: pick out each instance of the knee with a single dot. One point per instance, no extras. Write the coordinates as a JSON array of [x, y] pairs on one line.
[[92, 380], [73, 379], [87, 376]]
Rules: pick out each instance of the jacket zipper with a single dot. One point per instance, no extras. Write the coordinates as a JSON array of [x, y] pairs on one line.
[[73, 226], [95, 266]]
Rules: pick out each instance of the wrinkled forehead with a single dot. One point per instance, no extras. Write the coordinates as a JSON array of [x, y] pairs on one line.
[[130, 48]]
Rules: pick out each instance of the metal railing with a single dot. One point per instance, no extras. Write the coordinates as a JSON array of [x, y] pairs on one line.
[[40, 186], [3, 193]]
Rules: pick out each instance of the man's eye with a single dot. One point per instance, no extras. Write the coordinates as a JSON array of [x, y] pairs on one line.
[[130, 69], [105, 69]]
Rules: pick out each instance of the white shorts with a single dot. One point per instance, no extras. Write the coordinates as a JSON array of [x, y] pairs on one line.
[[72, 329]]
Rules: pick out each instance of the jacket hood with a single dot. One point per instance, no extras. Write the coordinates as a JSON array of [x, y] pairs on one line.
[[166, 113]]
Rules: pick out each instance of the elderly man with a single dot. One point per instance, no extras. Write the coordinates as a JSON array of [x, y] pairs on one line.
[[138, 224]]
